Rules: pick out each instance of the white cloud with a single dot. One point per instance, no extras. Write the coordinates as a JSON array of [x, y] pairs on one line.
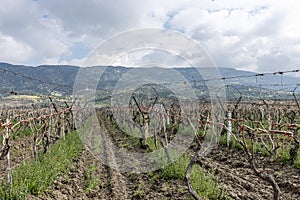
[[27, 24], [74, 62], [243, 34], [257, 35], [12, 50]]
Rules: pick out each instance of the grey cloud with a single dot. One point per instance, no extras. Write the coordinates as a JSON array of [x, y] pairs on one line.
[[23, 21], [274, 62], [96, 18]]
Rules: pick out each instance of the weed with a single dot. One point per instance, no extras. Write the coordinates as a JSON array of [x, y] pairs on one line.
[[91, 182]]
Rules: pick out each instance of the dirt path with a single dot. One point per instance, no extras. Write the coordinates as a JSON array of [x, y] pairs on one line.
[[74, 185], [89, 178], [118, 181]]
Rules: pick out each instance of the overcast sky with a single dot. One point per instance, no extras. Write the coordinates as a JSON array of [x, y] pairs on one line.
[[254, 35]]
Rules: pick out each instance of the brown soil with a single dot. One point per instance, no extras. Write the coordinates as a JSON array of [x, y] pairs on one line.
[[21, 150], [111, 184], [239, 180]]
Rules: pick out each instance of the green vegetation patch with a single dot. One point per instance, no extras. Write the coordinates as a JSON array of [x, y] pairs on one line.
[[281, 155], [204, 183], [36, 177]]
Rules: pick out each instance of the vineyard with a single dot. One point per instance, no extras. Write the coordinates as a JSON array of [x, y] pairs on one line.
[[266, 133], [64, 148], [28, 132], [261, 138]]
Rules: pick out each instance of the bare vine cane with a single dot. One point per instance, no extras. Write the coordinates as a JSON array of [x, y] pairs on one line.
[[193, 161], [251, 157], [295, 97], [142, 115]]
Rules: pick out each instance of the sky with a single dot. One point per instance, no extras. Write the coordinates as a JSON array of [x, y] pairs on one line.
[[256, 35]]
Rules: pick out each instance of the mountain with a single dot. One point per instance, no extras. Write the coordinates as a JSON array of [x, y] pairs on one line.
[[41, 79], [60, 78]]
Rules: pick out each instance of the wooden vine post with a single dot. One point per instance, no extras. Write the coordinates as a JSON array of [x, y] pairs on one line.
[[35, 138], [63, 126], [7, 159], [229, 119], [48, 134]]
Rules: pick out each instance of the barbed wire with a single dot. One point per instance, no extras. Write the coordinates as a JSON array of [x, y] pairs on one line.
[[202, 80], [283, 86], [239, 76], [49, 86]]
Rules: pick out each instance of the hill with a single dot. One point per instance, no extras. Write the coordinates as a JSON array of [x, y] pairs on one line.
[[60, 78]]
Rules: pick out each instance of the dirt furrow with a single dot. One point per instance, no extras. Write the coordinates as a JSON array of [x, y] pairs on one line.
[[140, 185], [236, 182], [118, 181]]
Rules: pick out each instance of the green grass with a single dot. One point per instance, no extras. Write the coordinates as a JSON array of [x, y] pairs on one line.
[[232, 144], [297, 161], [36, 177], [139, 191], [285, 155], [91, 181], [19, 134], [204, 183], [23, 133], [285, 158]]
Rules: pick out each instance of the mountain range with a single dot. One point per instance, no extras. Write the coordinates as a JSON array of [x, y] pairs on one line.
[[43, 79]]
